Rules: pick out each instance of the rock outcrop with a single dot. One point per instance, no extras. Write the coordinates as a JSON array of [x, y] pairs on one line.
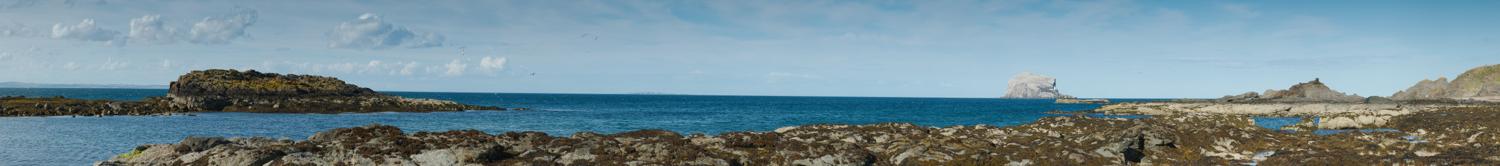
[[251, 91], [1427, 138], [1029, 85], [1482, 83], [236, 91], [1266, 109], [1311, 91], [54, 106]]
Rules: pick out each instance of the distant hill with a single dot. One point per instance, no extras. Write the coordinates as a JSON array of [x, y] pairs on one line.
[[1480, 83], [107, 86]]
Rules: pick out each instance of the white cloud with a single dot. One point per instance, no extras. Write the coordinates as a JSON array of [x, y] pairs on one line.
[[70, 66], [86, 31], [18, 30], [223, 29], [111, 64], [777, 77], [455, 68], [166, 63], [1240, 10], [151, 29], [20, 4], [370, 32], [490, 64], [408, 69]]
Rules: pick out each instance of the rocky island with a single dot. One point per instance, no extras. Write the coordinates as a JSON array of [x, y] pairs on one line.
[[1027, 85], [1033, 86], [239, 91]]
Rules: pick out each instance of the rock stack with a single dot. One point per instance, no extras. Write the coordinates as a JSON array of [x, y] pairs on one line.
[[1034, 86]]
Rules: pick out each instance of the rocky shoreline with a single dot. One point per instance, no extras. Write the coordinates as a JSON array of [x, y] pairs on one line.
[[1434, 123], [1451, 136], [238, 91], [59, 106]]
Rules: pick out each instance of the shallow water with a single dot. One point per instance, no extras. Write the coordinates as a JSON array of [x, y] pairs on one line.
[[1275, 123], [82, 140]]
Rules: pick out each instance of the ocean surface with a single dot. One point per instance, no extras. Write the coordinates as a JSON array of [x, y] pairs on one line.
[[82, 140]]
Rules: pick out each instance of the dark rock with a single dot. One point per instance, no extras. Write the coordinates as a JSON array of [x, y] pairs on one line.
[[1378, 100], [198, 144]]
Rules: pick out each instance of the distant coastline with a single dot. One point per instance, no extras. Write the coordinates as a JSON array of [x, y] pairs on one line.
[[12, 84]]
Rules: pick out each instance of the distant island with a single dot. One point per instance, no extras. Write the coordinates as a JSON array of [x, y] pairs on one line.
[[99, 86], [1027, 85], [218, 90]]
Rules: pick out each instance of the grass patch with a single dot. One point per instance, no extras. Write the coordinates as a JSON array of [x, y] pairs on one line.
[[129, 155]]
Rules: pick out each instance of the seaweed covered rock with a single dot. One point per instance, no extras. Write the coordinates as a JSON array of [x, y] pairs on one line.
[[253, 84], [1426, 138], [55, 106], [252, 91]]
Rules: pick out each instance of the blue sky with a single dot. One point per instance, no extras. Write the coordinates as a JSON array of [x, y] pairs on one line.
[[801, 48]]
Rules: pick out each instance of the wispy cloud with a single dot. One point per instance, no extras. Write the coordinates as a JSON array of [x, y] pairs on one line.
[[86, 30], [370, 32], [223, 29], [1240, 10], [151, 29], [455, 68]]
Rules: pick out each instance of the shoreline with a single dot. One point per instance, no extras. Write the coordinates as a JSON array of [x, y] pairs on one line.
[[1429, 137]]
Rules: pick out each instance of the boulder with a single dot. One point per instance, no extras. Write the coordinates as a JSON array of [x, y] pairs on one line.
[[198, 144]]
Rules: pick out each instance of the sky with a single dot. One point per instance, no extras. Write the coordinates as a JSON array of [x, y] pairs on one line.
[[947, 48]]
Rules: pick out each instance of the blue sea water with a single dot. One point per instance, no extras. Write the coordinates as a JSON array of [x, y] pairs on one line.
[[82, 140]]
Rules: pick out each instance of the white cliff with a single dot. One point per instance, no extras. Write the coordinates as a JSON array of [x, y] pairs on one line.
[[1029, 85]]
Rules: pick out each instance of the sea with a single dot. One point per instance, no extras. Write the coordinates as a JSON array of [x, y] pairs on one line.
[[82, 140]]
